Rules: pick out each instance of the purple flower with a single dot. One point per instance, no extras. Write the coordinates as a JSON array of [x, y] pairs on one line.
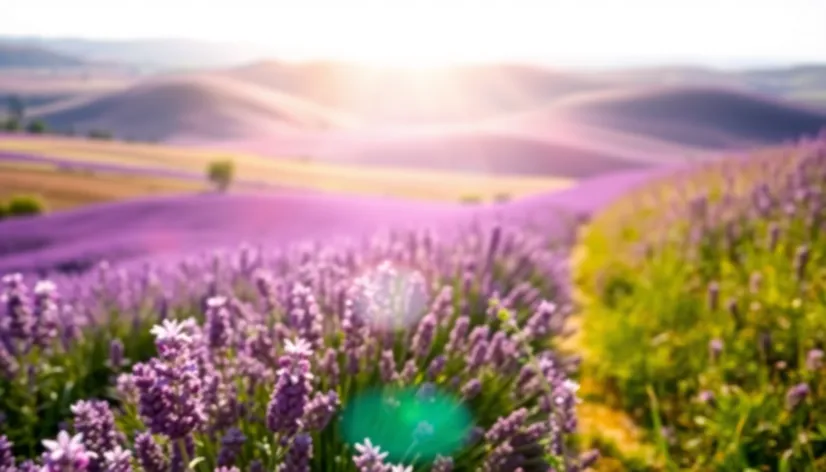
[[8, 364], [298, 455], [442, 464], [6, 455], [66, 453], [217, 322], [436, 367], [814, 359], [149, 454], [169, 396], [95, 422], [457, 334], [423, 338], [471, 389], [19, 316], [706, 397], [329, 367], [320, 410], [370, 458], [117, 460], [796, 395], [292, 389], [115, 354], [231, 445], [505, 427], [387, 366]]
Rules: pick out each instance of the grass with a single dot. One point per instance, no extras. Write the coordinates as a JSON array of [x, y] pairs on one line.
[[63, 189], [360, 180], [645, 271]]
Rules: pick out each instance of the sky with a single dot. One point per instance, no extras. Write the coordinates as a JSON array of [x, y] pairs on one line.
[[602, 32]]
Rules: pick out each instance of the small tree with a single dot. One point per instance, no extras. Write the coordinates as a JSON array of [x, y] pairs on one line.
[[221, 173], [36, 127], [22, 205]]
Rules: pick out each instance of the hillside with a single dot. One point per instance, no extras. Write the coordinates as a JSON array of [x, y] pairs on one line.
[[702, 117], [193, 107], [18, 56]]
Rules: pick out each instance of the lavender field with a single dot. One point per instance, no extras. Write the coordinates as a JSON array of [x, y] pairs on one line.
[[459, 347], [397, 236]]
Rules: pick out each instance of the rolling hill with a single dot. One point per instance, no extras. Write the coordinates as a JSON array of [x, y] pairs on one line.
[[190, 107], [700, 117], [20, 56]]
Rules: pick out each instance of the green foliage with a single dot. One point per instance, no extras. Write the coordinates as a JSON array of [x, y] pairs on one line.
[[100, 134], [4, 210], [11, 124], [687, 261], [23, 205], [36, 127], [470, 199], [221, 173], [36, 407]]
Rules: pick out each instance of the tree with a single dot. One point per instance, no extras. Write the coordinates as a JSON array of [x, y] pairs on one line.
[[16, 107], [22, 205], [36, 127], [221, 173]]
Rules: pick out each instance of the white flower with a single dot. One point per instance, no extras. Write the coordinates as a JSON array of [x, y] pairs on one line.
[[571, 386], [216, 302], [368, 449], [44, 287], [118, 454], [401, 468], [172, 330], [298, 347], [65, 446]]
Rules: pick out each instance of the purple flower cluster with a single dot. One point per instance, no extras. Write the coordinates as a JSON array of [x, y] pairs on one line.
[[255, 354]]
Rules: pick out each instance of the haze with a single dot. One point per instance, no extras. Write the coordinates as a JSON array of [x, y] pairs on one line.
[[585, 33]]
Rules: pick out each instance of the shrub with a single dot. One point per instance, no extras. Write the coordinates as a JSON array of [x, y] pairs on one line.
[[703, 296], [4, 210], [11, 124], [36, 127], [221, 173], [23, 205], [303, 357], [100, 134], [471, 199], [502, 197]]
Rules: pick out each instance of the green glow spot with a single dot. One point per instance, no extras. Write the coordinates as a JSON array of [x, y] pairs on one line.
[[410, 426]]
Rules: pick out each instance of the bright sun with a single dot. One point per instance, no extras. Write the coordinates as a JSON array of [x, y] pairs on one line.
[[419, 35]]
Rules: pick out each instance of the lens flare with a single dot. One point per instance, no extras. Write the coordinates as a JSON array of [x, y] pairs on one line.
[[413, 425], [390, 297]]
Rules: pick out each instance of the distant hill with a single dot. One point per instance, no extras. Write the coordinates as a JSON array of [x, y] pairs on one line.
[[702, 117], [18, 56], [151, 54], [191, 107]]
